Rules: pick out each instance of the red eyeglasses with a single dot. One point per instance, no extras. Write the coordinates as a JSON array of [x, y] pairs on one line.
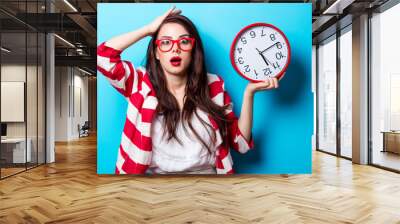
[[184, 43]]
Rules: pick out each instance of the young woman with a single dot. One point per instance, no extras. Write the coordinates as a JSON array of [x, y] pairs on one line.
[[179, 117]]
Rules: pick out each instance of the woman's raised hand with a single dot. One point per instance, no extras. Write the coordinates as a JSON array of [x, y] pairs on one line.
[[155, 24]]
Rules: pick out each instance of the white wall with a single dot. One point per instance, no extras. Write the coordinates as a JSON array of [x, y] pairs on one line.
[[16, 73], [71, 94], [80, 89], [61, 103]]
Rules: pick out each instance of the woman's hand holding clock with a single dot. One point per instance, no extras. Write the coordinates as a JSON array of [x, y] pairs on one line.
[[269, 83]]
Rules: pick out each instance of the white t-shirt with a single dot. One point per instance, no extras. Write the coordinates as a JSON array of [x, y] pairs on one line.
[[190, 156]]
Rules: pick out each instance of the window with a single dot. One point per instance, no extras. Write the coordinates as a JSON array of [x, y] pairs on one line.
[[385, 89], [327, 95], [22, 77], [346, 92]]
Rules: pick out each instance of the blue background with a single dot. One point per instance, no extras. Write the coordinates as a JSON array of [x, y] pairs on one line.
[[283, 118]]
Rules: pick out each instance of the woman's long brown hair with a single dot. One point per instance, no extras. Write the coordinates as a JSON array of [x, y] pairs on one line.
[[197, 90]]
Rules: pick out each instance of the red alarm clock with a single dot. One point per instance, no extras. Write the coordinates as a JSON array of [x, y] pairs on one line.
[[260, 51]]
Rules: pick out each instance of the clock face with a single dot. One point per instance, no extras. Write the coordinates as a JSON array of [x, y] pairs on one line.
[[260, 51]]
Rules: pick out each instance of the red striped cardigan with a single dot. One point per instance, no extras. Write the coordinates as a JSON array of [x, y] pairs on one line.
[[135, 150]]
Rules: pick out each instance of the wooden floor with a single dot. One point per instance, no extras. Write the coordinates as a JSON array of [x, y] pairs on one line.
[[69, 191], [387, 159], [5, 172]]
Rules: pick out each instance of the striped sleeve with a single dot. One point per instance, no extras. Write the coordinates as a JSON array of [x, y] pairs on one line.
[[121, 74], [236, 139]]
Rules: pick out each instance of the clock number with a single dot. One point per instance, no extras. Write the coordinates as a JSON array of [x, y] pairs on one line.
[[267, 71], [272, 36], [252, 34], [240, 60], [262, 33], [243, 39], [276, 65], [247, 68], [255, 72], [279, 45], [279, 55], [240, 50]]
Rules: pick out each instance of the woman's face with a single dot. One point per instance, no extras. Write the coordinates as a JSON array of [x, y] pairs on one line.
[[176, 61]]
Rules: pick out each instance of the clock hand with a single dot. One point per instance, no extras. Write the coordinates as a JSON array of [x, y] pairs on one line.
[[265, 60], [269, 47]]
